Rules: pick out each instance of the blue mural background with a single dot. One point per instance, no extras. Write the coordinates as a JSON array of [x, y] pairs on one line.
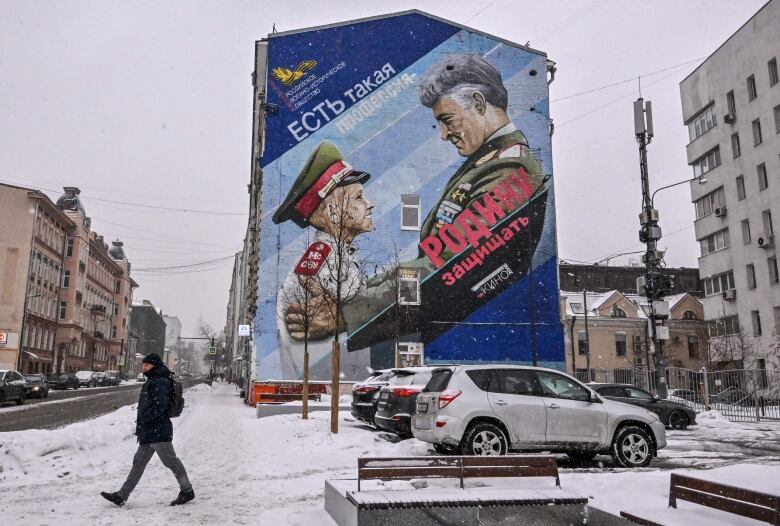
[[399, 145]]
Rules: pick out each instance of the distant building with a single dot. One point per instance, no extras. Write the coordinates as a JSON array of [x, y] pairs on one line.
[[731, 106], [32, 258], [600, 278], [616, 338], [172, 342], [148, 326]]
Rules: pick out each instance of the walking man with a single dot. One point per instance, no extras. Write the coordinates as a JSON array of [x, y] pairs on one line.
[[155, 434]]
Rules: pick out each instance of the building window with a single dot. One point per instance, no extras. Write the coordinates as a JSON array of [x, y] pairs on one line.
[[113, 332], [582, 343], [751, 275], [741, 188], [620, 343], [408, 287], [63, 309], [576, 308], [617, 312], [66, 279], [737, 151], [706, 162], [689, 315], [693, 347], [719, 283], [410, 212], [730, 103], [703, 122], [409, 354], [707, 204], [766, 216], [751, 87], [746, 239], [772, 264], [723, 326], [777, 118], [116, 309], [69, 248], [755, 316], [772, 66], [717, 241], [763, 181], [758, 138]]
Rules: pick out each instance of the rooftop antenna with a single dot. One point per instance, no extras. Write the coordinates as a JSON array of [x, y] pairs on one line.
[[273, 29]]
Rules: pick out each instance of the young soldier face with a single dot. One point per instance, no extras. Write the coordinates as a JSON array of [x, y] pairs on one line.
[[346, 206]]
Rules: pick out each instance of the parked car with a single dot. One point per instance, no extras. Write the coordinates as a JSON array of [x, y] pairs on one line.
[[685, 394], [112, 378], [35, 386], [87, 378], [11, 387], [365, 395], [671, 413], [397, 399], [490, 410], [63, 381], [140, 377]]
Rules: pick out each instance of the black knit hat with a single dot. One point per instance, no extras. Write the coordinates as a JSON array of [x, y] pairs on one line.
[[153, 359]]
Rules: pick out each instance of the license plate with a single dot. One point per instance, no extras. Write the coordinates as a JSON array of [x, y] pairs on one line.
[[422, 407], [384, 396]]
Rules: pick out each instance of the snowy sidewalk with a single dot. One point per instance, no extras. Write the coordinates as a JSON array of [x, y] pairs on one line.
[[272, 470]]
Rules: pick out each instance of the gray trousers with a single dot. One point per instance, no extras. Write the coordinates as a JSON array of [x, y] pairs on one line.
[[142, 457]]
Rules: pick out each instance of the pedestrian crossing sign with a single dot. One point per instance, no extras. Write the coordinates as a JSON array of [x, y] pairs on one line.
[[212, 350]]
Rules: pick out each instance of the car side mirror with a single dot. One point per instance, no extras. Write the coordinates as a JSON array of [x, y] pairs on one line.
[[594, 398], [656, 398]]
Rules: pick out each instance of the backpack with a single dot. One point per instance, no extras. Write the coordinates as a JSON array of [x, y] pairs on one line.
[[176, 400]]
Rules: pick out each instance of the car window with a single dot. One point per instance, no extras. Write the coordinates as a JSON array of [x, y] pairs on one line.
[[16, 376], [559, 386], [513, 381], [421, 378], [612, 391], [402, 379], [481, 377], [440, 378], [639, 394]]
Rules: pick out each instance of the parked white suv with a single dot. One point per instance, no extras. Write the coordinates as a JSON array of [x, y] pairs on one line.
[[491, 409]]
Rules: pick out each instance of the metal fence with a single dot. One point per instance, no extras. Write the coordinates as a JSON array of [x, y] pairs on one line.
[[741, 395]]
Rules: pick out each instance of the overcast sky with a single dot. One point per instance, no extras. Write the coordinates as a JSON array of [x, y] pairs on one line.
[[151, 102]]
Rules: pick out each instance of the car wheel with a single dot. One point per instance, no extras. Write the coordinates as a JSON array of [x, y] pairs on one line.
[[679, 420], [632, 447], [581, 457], [484, 439], [21, 398], [446, 450]]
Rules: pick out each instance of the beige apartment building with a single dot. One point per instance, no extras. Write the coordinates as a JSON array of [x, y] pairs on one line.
[[33, 233], [96, 295], [617, 335]]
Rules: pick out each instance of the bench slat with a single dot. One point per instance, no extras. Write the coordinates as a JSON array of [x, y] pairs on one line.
[[509, 471], [410, 473], [737, 507], [511, 460], [753, 497]]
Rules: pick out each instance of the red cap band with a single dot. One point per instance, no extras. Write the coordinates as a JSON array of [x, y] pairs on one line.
[[307, 204]]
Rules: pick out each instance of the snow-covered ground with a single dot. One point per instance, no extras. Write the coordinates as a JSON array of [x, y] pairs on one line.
[[272, 470]]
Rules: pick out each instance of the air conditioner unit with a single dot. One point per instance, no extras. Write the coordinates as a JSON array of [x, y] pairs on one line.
[[729, 295], [766, 241], [720, 211], [730, 118], [639, 361]]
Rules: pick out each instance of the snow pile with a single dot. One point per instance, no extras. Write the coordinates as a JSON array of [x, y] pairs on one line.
[[199, 388], [713, 418]]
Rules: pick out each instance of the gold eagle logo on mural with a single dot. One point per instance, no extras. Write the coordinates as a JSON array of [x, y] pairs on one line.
[[289, 77]]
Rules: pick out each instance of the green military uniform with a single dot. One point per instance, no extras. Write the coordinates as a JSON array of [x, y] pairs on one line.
[[488, 166]]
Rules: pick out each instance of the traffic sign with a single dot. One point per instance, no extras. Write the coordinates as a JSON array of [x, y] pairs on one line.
[[212, 350], [3, 339], [312, 260], [243, 330]]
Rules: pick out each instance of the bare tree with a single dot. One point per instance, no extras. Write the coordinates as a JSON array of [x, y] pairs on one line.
[[303, 307], [343, 272]]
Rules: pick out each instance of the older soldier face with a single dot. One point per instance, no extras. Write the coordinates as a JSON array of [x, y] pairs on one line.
[[462, 123]]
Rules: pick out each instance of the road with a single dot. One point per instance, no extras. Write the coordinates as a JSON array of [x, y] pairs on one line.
[[66, 407]]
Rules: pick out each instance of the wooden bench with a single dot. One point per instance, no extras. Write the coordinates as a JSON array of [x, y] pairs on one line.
[[460, 467], [746, 503]]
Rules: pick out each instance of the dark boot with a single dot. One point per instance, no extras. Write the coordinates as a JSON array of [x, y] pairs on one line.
[[113, 497], [184, 497]]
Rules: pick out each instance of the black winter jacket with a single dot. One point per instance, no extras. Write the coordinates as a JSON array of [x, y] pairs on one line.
[[153, 423]]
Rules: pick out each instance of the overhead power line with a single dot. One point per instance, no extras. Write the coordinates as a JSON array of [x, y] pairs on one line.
[[198, 264]]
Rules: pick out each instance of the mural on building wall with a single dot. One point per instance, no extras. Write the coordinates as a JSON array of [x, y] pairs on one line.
[[452, 235]]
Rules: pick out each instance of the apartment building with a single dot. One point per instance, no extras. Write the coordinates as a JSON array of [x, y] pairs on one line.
[[731, 106], [96, 294], [32, 253]]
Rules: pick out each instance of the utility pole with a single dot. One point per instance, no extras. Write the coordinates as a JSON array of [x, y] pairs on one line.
[[655, 284], [587, 336]]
